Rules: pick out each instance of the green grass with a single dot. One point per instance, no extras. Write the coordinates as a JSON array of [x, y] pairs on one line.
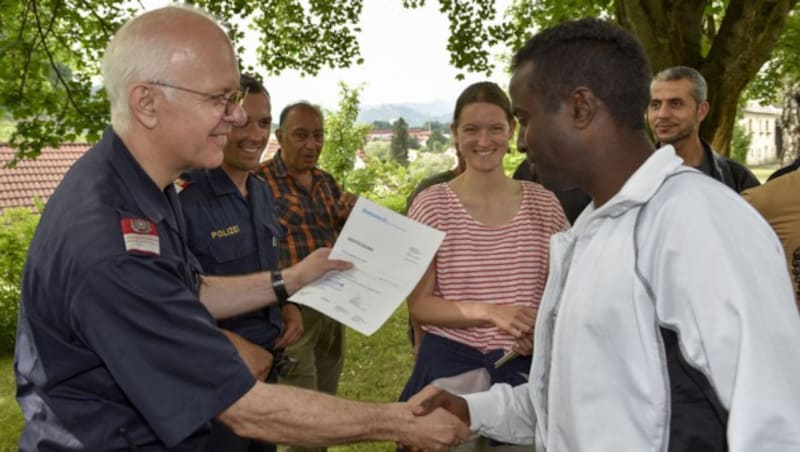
[[376, 369], [10, 415], [762, 172]]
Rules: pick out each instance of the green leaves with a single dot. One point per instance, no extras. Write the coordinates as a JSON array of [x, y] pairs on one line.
[[50, 52], [783, 68], [17, 226], [474, 30], [401, 141], [307, 39], [343, 136], [50, 55]]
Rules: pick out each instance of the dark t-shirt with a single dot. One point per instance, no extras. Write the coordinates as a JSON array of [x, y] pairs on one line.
[[572, 201], [706, 166]]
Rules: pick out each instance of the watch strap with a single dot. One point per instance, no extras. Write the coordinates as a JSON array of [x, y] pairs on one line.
[[279, 287]]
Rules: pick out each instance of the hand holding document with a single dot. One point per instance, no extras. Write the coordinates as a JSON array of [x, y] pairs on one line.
[[389, 252]]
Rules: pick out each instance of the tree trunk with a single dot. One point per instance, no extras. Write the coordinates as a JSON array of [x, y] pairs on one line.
[[745, 40], [790, 119], [672, 34], [670, 31]]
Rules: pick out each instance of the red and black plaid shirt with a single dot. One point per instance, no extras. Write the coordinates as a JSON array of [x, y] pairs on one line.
[[310, 219]]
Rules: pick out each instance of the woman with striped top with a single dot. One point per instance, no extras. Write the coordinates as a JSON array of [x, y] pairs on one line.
[[478, 300]]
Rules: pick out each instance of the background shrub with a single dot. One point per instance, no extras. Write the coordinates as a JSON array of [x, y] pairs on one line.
[[16, 231], [740, 143]]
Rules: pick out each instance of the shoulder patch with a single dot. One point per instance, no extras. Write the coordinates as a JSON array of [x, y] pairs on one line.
[[140, 236]]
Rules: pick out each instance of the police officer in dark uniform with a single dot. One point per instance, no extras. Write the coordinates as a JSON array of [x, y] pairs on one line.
[[113, 349], [109, 288], [233, 230], [117, 345]]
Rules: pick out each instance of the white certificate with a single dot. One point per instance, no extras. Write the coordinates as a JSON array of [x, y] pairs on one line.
[[389, 252]]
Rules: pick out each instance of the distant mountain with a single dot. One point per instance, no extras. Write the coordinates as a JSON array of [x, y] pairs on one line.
[[414, 113]]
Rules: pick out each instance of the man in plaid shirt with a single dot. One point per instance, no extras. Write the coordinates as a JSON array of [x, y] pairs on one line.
[[312, 209]]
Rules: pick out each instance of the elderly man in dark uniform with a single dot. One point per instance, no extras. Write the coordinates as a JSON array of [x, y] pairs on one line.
[[117, 346]]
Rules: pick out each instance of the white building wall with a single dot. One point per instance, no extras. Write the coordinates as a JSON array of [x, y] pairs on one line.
[[761, 122]]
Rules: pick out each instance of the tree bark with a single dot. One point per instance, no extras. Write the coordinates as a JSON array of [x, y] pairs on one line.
[[790, 119], [670, 31], [744, 42]]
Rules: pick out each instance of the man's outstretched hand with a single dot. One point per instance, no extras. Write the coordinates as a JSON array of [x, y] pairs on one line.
[[432, 400], [432, 397]]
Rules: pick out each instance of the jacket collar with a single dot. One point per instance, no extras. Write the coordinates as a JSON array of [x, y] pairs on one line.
[[638, 189], [715, 161]]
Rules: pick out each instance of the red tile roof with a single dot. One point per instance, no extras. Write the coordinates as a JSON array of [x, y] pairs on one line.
[[38, 178]]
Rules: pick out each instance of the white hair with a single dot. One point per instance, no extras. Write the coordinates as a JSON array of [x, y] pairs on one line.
[[137, 53]]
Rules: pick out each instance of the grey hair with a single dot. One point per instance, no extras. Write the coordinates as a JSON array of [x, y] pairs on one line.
[[136, 53], [299, 104], [699, 86]]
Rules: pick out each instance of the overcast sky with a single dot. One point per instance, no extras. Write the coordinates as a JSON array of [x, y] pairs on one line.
[[405, 60]]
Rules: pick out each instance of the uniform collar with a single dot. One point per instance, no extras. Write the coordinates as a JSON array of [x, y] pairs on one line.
[[148, 197], [221, 184]]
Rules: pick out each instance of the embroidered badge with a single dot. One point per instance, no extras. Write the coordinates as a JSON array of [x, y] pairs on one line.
[[141, 236]]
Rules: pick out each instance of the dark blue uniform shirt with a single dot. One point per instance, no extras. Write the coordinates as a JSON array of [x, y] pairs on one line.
[[113, 346], [234, 235]]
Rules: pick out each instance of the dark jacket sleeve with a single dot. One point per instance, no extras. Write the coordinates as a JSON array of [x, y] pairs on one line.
[[742, 177]]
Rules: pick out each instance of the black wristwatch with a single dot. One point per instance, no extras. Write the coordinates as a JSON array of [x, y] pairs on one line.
[[279, 287]]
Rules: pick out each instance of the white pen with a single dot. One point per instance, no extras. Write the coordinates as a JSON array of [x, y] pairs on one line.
[[505, 358]]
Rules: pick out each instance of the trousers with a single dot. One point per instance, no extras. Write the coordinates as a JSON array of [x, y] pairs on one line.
[[320, 358]]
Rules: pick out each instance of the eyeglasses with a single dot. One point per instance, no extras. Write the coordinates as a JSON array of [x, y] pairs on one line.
[[230, 100]]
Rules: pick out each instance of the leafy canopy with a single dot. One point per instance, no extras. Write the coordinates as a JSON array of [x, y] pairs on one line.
[[50, 51], [343, 136]]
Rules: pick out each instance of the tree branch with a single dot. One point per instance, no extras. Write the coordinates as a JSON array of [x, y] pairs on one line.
[[29, 53], [43, 36], [107, 31], [746, 37]]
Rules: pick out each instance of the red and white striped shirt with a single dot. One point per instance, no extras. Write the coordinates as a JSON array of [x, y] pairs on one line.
[[489, 264]]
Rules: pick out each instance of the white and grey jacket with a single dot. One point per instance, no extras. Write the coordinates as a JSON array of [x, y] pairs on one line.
[[706, 266]]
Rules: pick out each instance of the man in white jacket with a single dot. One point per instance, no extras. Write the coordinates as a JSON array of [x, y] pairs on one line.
[[668, 321]]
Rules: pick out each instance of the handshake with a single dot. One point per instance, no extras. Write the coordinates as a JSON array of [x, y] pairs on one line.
[[441, 421]]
